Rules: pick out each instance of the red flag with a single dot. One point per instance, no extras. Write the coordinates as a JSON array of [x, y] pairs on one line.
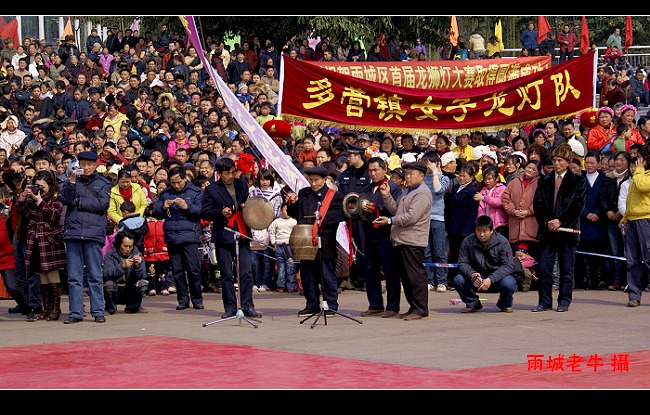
[[584, 36], [10, 30], [542, 28], [628, 32]]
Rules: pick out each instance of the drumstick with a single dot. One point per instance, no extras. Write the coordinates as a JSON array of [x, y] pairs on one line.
[[569, 230]]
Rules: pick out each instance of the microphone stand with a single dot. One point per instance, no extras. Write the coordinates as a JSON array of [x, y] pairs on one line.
[[240, 313], [324, 306]]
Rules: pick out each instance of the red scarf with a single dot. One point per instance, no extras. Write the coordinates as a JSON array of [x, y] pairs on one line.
[[126, 193], [238, 218], [318, 223]]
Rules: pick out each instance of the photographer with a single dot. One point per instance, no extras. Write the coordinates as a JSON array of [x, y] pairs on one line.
[[87, 197], [44, 250], [124, 275], [16, 178], [485, 263]]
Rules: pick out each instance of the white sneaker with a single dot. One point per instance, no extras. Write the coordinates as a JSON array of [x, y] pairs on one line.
[[431, 287], [441, 288], [255, 288], [164, 292], [152, 293], [263, 289], [172, 289]]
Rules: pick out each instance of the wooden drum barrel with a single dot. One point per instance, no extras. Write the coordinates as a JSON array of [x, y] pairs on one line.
[[301, 245]]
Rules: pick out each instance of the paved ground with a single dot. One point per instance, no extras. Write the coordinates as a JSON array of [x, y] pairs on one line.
[[597, 322]]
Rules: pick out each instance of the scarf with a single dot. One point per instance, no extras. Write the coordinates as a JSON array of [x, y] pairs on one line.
[[619, 176], [126, 193]]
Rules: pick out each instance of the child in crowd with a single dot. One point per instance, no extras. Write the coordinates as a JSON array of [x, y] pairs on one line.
[[156, 259], [280, 233], [527, 263]]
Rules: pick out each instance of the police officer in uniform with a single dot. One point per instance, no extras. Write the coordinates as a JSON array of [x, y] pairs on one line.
[[318, 275], [355, 179], [379, 252]]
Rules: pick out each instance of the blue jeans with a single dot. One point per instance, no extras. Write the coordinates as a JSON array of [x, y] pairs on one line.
[[436, 251], [85, 261], [286, 267], [506, 287], [28, 281], [263, 267]]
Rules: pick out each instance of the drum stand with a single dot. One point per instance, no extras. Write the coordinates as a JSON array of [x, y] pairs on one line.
[[240, 313], [324, 307]]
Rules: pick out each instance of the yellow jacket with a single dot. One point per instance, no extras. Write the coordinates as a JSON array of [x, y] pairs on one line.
[[137, 197], [637, 204]]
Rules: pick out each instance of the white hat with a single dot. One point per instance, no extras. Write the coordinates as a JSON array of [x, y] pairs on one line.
[[408, 158], [576, 146], [492, 155], [479, 151], [522, 154], [115, 168], [447, 157]]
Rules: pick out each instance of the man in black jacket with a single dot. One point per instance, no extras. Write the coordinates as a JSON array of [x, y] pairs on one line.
[[485, 263], [223, 203], [559, 201], [307, 207]]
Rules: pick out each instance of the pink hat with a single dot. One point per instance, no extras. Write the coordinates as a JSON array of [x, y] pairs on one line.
[[628, 107]]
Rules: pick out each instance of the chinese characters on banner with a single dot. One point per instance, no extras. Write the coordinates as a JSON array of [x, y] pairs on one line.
[[441, 74], [309, 92]]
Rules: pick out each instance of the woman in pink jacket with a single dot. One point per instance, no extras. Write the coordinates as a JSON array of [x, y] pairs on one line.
[[489, 199]]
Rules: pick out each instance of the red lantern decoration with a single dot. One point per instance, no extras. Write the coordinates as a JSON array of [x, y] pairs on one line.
[[589, 118], [277, 130]]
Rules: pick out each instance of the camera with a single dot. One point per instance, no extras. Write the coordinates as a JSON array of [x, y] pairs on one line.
[[37, 189], [18, 176], [78, 171]]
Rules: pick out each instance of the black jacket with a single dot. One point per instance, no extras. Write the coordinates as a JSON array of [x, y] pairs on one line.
[[304, 212], [570, 203]]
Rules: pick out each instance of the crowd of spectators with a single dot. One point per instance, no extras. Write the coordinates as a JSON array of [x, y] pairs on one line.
[[145, 106]]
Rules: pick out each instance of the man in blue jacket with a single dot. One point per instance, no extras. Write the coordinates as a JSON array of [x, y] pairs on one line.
[[529, 38], [86, 195], [180, 207]]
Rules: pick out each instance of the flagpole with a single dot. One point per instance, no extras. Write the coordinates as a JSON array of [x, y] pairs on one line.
[[595, 78]]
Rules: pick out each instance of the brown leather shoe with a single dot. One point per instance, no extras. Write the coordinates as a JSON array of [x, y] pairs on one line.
[[414, 316], [370, 312], [389, 314], [472, 309]]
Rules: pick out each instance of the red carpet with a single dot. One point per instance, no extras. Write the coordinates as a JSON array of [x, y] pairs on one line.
[[171, 363]]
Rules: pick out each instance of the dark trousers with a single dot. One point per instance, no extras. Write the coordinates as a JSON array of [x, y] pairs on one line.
[[186, 258], [637, 252], [566, 255], [318, 276], [9, 278], [410, 265], [380, 256], [226, 254], [28, 280]]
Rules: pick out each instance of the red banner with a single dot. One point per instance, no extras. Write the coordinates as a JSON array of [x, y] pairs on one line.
[[308, 92], [441, 74]]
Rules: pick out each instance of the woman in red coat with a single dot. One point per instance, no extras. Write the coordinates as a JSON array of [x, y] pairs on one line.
[[8, 261]]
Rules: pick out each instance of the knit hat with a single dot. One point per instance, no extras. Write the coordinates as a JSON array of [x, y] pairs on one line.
[[576, 146], [522, 246]]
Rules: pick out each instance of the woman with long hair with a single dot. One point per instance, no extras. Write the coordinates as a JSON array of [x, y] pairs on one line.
[[45, 250]]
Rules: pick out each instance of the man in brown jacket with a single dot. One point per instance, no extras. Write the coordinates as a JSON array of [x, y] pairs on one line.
[[410, 234]]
